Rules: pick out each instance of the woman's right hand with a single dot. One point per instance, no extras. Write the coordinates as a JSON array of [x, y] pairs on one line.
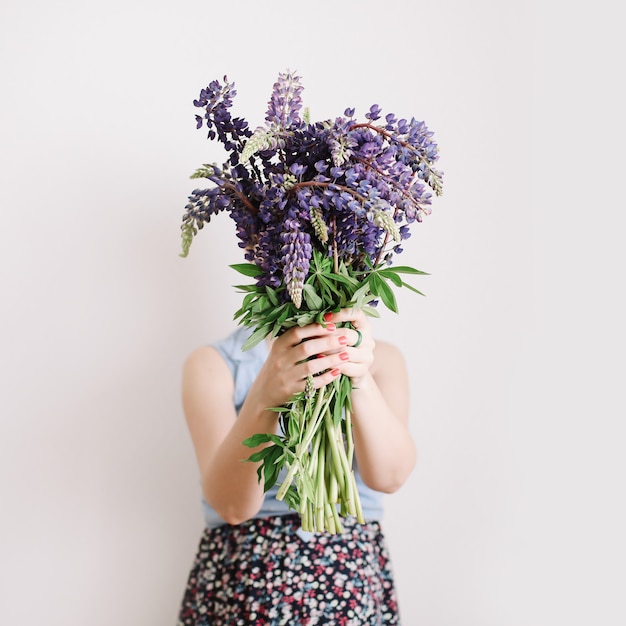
[[299, 352]]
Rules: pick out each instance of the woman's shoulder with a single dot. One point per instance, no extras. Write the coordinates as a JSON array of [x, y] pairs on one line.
[[203, 356], [387, 356], [219, 351], [223, 358], [206, 364], [387, 349]]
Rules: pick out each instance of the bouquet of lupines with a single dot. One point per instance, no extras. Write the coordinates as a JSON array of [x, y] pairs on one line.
[[320, 209]]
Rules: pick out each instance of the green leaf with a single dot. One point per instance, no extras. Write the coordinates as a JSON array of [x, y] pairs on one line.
[[245, 305], [272, 315], [247, 269], [388, 297], [370, 310], [405, 269], [256, 337], [292, 498], [412, 288], [327, 284], [374, 283], [271, 294], [260, 304], [275, 456], [311, 298], [269, 470], [258, 456], [293, 428], [362, 292], [247, 288], [244, 314], [258, 439], [285, 314], [351, 282], [270, 474], [305, 318], [392, 276], [385, 292]]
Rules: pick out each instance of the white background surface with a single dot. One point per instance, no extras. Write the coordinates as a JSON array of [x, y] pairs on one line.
[[514, 515]]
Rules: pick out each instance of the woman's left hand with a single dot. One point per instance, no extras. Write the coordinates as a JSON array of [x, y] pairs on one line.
[[360, 342]]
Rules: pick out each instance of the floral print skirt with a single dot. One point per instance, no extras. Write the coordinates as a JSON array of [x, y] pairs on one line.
[[267, 572]]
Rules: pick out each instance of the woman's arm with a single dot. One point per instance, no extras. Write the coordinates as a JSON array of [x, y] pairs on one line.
[[229, 485], [383, 445]]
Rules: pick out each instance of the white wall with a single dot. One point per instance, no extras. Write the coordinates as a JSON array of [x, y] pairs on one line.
[[513, 515]]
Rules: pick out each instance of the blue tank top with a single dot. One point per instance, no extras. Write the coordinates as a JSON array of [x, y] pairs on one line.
[[244, 367]]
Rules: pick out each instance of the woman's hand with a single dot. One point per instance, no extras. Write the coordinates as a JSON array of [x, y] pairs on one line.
[[314, 350], [360, 343]]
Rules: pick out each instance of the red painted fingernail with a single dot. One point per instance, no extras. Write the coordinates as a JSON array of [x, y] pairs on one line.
[[331, 327], [336, 372], [343, 340], [344, 356], [328, 317]]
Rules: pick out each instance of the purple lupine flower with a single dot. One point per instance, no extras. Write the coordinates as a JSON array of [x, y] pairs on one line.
[[296, 256], [216, 100], [350, 189], [285, 104], [374, 113]]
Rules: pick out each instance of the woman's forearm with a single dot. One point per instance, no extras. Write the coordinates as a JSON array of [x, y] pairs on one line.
[[231, 484], [384, 448]]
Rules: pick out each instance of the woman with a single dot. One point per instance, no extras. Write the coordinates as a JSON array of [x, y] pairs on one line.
[[254, 563]]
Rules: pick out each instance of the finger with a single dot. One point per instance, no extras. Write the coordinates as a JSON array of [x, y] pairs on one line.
[[358, 356], [297, 334], [325, 378], [321, 363], [332, 343], [317, 372], [355, 371], [355, 337], [353, 315]]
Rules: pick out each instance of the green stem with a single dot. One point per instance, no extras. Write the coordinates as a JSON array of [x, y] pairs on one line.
[[333, 487], [323, 397], [333, 524], [335, 253], [342, 469], [320, 490], [334, 444], [349, 437], [304, 516]]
